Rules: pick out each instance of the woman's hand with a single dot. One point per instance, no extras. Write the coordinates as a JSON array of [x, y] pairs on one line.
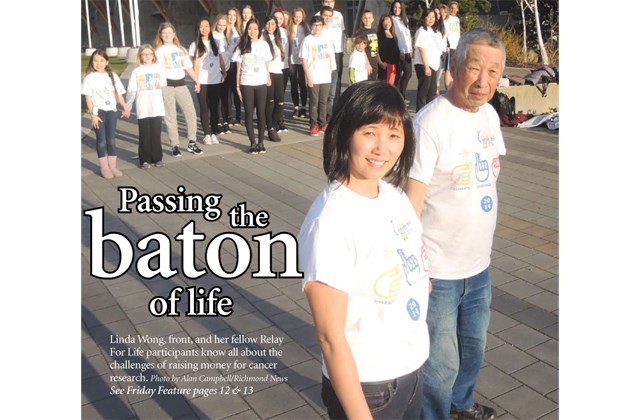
[[95, 121]]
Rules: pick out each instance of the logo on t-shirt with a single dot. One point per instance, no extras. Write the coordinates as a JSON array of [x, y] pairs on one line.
[[410, 266], [486, 203], [413, 307], [487, 140], [387, 285]]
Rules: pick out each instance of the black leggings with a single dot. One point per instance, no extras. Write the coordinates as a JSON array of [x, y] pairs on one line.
[[298, 81], [233, 91], [403, 75], [275, 100], [149, 144], [426, 86], [208, 98], [254, 97]]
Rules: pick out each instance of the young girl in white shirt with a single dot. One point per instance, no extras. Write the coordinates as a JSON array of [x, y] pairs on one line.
[[102, 89], [145, 87], [297, 31], [275, 92], [175, 61], [210, 71], [252, 56]]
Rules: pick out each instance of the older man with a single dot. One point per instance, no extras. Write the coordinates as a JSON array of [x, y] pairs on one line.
[[452, 187]]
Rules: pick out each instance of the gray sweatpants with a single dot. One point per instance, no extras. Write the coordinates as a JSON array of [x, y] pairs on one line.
[[180, 95]]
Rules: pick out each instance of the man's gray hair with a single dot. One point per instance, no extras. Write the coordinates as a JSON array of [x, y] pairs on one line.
[[477, 36]]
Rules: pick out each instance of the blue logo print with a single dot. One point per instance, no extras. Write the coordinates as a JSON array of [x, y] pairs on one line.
[[413, 307], [486, 203]]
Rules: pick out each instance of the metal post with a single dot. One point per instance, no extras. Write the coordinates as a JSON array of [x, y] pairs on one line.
[[135, 2], [109, 24], [86, 9], [124, 42], [133, 24]]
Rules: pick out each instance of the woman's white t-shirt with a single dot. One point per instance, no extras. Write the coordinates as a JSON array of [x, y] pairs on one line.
[[174, 60], [209, 72], [253, 65]]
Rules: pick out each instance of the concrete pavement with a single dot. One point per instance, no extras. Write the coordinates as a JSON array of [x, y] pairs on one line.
[[520, 374]]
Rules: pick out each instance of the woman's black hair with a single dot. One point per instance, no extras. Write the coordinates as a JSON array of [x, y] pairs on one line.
[[403, 12], [200, 48], [367, 102], [276, 38], [244, 45]]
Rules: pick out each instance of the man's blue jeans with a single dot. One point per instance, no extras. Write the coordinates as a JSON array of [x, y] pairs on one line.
[[458, 318]]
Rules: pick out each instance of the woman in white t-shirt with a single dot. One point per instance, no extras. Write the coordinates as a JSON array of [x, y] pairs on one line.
[[102, 90], [428, 51], [275, 92], [233, 32], [209, 68], [401, 25], [220, 35], [297, 31], [252, 56], [175, 61], [365, 268]]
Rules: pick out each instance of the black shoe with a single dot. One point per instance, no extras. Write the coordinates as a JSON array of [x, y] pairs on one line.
[[477, 412], [225, 128], [303, 113], [193, 148], [218, 130], [176, 151], [273, 135], [281, 127], [296, 112], [261, 148], [253, 149], [234, 121]]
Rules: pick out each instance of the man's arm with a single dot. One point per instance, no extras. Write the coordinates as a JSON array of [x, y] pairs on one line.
[[416, 192]]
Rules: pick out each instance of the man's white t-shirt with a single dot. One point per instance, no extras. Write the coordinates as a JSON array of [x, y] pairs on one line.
[[321, 60], [100, 88], [458, 158], [371, 250], [253, 65], [174, 60], [145, 86]]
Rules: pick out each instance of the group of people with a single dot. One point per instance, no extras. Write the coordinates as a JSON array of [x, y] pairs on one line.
[[396, 271]]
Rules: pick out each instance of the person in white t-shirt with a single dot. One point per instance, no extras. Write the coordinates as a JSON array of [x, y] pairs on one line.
[[358, 60], [220, 36], [247, 15], [252, 56], [234, 30], [452, 186], [286, 60], [365, 271], [176, 63], [452, 29], [428, 49], [401, 26], [297, 31], [318, 61], [335, 27], [102, 90], [145, 87], [209, 68], [275, 92]]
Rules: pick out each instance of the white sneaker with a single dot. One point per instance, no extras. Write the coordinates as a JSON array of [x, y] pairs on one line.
[[207, 139], [214, 139]]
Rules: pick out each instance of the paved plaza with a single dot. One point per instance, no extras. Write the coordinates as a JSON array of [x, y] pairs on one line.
[[520, 374]]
